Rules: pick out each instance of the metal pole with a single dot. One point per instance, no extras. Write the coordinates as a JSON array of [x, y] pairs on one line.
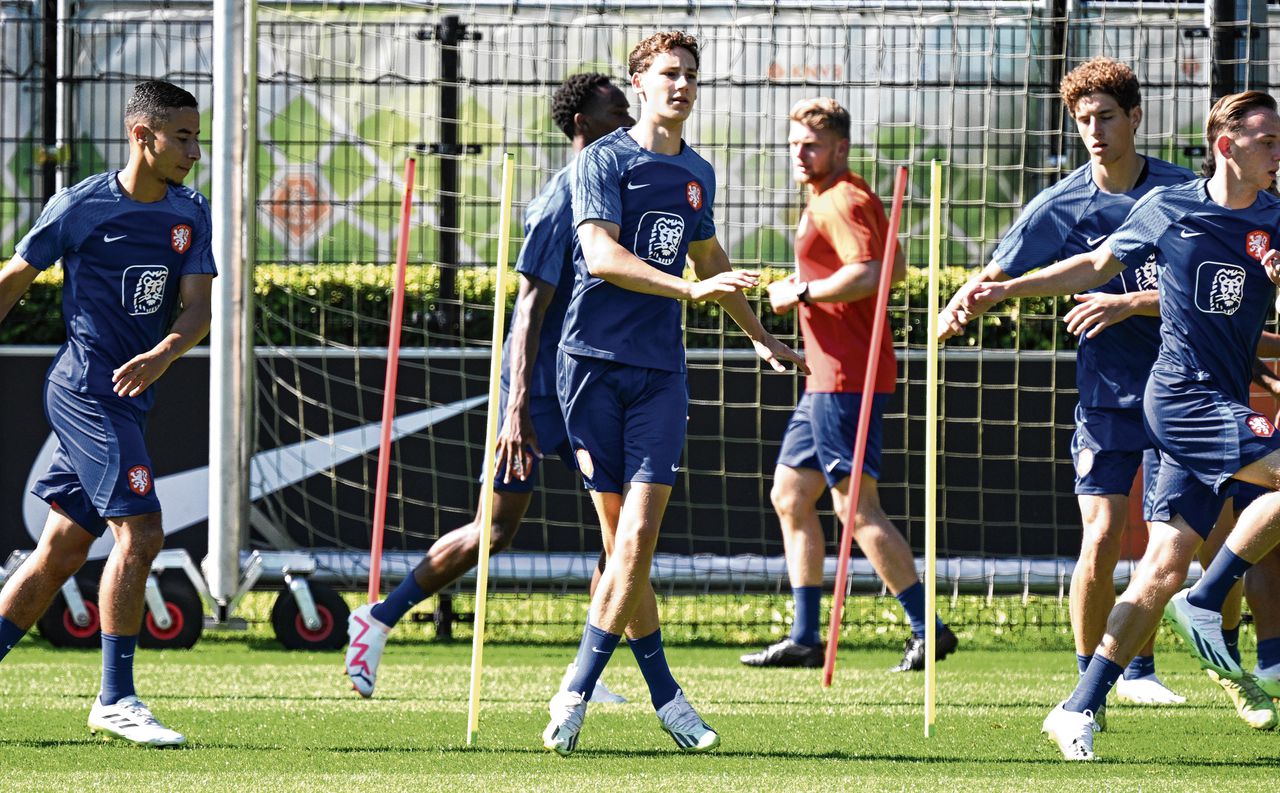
[[228, 477], [51, 66], [1224, 29], [449, 32]]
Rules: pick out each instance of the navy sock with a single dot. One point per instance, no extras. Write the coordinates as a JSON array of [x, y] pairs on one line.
[[1140, 666], [1268, 652], [1082, 662], [117, 667], [1210, 592], [404, 597], [1096, 682], [653, 665], [912, 600], [10, 635], [805, 630], [1231, 637], [594, 652]]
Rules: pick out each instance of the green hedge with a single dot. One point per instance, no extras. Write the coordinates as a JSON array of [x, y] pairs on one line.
[[349, 305]]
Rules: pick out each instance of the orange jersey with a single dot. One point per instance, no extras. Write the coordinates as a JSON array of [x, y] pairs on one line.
[[844, 224]]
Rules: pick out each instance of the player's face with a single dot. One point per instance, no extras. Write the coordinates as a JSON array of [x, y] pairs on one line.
[[607, 111], [1106, 129], [171, 149], [669, 87], [1255, 151], [817, 155]]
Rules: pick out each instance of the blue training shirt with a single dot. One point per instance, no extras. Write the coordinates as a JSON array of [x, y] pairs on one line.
[[661, 203], [547, 255], [1074, 216], [122, 261], [1214, 292]]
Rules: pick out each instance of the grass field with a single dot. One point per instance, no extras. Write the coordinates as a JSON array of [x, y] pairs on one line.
[[259, 718]]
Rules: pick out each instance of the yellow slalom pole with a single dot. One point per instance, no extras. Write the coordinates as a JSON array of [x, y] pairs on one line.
[[490, 445], [931, 456]]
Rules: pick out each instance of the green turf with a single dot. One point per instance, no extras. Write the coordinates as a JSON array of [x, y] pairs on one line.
[[264, 719]]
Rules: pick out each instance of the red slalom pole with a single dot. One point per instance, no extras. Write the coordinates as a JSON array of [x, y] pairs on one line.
[[389, 387], [864, 421]]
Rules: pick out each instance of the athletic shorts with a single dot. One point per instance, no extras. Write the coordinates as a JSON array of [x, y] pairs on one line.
[[100, 467], [1246, 493], [625, 423], [822, 432], [548, 422], [1204, 438], [1107, 449]]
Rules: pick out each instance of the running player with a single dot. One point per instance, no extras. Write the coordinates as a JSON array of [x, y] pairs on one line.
[[585, 107], [641, 202], [1211, 239], [838, 247], [1120, 333], [135, 250]]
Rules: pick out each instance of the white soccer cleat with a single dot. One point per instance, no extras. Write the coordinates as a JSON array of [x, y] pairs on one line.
[[1268, 680], [1071, 731], [1253, 705], [1201, 629], [568, 709], [686, 727], [1146, 690], [366, 638], [600, 693], [131, 720]]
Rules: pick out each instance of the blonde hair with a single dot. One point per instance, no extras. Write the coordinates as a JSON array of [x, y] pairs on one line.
[[822, 113]]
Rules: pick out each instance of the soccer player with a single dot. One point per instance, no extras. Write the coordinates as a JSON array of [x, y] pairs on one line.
[[839, 243], [585, 107], [1119, 335], [1211, 239], [135, 250], [641, 204]]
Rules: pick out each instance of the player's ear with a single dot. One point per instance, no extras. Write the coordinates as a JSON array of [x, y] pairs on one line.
[[1223, 145], [581, 125], [635, 85], [140, 133], [842, 149], [1135, 115]]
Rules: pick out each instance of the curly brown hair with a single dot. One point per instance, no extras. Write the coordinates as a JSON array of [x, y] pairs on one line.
[[1101, 75], [644, 53]]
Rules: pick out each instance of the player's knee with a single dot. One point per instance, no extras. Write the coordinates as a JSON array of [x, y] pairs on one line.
[[1100, 545], [788, 500], [504, 533], [141, 538]]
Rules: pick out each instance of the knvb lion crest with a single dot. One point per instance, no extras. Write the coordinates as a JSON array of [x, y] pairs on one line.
[[693, 193], [1260, 425], [180, 237], [1219, 288], [139, 479], [658, 238], [1257, 243], [143, 289]]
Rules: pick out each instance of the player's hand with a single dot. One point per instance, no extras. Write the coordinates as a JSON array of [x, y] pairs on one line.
[[1272, 266], [1096, 312], [722, 285], [775, 352], [980, 299], [951, 322], [517, 445], [782, 295], [139, 373]]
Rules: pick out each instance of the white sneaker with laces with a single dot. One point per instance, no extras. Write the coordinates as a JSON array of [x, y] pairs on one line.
[[1268, 679], [1073, 732], [1147, 690], [1201, 629], [686, 727], [600, 693], [366, 638], [131, 720], [568, 709]]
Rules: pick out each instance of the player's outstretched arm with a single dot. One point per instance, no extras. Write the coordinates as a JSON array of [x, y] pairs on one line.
[[952, 318], [518, 442], [15, 279], [1097, 311], [196, 295], [606, 259], [710, 262], [1269, 345], [1080, 273]]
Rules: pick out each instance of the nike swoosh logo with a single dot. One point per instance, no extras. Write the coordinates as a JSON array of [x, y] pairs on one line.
[[833, 465], [109, 238], [634, 186], [186, 493], [130, 655], [652, 654], [598, 650], [1095, 240], [675, 468], [1188, 234]]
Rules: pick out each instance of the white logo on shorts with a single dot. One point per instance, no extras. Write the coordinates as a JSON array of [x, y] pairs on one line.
[[142, 288], [1219, 288], [658, 237]]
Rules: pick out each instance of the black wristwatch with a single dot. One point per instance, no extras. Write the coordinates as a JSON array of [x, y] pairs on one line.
[[802, 293]]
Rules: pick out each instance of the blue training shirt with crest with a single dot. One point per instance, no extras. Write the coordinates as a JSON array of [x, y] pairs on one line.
[[122, 261], [1214, 292], [1074, 216], [660, 203]]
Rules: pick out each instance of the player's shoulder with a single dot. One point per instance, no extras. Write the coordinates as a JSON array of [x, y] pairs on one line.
[[1078, 182], [81, 195], [1163, 172]]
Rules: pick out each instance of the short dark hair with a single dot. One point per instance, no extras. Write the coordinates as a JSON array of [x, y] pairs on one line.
[[573, 96], [644, 53], [154, 100]]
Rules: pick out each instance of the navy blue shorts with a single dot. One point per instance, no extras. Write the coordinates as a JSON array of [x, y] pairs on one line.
[[1246, 493], [822, 432], [1204, 438], [1107, 449], [625, 423], [100, 467], [548, 422]]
